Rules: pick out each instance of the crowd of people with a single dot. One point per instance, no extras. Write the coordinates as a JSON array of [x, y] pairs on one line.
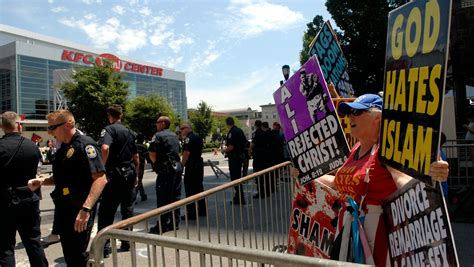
[[111, 170], [84, 173]]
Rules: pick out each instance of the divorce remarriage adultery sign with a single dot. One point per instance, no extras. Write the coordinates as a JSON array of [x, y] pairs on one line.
[[415, 71], [312, 130], [419, 232]]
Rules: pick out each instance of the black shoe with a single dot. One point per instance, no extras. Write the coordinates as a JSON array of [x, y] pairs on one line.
[[156, 229], [144, 197], [107, 252], [49, 240], [125, 246]]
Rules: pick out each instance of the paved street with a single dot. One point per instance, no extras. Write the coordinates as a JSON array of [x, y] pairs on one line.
[[463, 233]]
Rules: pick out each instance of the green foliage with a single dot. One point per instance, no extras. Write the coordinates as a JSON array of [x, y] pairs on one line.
[[201, 119], [92, 92], [308, 36], [143, 111], [214, 144], [364, 24], [219, 123]]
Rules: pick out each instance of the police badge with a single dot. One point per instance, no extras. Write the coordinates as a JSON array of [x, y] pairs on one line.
[[90, 151], [70, 152]]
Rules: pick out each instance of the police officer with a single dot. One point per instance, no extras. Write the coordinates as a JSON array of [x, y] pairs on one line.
[[235, 143], [164, 153], [194, 169], [19, 159], [120, 156], [79, 177], [143, 155], [259, 149]]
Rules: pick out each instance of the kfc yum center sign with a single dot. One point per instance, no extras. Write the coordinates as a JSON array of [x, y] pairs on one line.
[[117, 63]]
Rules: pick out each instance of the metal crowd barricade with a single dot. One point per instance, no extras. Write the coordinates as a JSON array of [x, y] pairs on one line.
[[460, 156], [230, 234]]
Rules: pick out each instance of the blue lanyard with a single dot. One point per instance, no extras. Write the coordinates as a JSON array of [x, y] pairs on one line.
[[358, 253]]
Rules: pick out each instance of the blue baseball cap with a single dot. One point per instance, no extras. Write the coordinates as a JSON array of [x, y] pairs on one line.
[[363, 102]]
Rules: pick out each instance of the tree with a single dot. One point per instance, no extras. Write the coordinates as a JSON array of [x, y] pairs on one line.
[[308, 36], [143, 111], [218, 122], [201, 119], [364, 33], [92, 92]]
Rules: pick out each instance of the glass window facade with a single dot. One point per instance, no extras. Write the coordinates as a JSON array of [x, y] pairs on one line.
[[36, 96], [8, 83], [174, 91], [36, 93]]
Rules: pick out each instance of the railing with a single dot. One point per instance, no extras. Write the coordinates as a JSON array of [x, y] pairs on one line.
[[209, 254], [230, 234], [261, 224], [460, 156]]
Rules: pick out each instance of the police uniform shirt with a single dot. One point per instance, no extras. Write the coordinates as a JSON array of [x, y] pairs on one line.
[[74, 165], [142, 151], [116, 136], [23, 166], [193, 144], [258, 139], [237, 139], [165, 144]]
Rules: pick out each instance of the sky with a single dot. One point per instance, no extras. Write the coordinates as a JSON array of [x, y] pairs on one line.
[[231, 51]]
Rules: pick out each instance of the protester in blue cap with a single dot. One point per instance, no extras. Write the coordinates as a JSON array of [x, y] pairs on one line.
[[366, 180]]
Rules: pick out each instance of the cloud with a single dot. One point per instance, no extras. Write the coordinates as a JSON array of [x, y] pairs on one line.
[[177, 42], [160, 32], [118, 9], [90, 2], [250, 18], [204, 59], [172, 62], [59, 9], [133, 2], [145, 11], [50, 1], [131, 40], [110, 33], [253, 89], [159, 37]]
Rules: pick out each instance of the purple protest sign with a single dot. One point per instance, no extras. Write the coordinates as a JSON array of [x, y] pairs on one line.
[[312, 129]]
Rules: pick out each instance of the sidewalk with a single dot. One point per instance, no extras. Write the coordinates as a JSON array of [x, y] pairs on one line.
[[463, 233], [54, 252]]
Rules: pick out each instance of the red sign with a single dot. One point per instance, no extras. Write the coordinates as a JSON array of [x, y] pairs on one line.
[[117, 63], [311, 229]]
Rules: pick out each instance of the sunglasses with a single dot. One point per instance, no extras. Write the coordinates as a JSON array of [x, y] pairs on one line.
[[182, 128], [53, 127], [356, 112]]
